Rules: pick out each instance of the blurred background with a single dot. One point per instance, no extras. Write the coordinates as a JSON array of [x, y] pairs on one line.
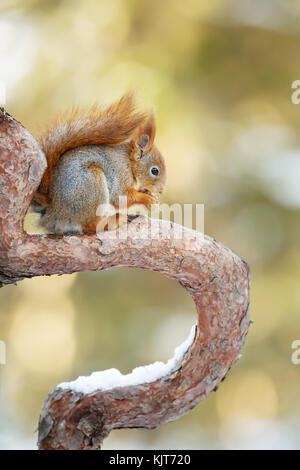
[[219, 75]]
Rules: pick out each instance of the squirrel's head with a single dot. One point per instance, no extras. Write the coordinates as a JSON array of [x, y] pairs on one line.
[[148, 163]]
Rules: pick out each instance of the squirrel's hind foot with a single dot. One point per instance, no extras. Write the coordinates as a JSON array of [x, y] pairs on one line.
[[55, 225]]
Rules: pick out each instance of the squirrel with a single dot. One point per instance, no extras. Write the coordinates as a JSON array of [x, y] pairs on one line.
[[93, 157]]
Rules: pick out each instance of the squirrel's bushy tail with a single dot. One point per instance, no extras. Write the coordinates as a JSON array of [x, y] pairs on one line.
[[110, 126]]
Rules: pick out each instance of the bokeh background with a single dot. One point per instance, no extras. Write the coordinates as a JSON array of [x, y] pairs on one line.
[[219, 75]]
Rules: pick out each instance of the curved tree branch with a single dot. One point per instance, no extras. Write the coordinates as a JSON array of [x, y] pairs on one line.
[[216, 278]]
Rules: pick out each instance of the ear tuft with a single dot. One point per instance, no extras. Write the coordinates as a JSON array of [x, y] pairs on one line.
[[143, 141], [146, 134]]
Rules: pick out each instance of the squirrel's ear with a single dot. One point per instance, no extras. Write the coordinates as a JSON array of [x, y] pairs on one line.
[[143, 141], [146, 134]]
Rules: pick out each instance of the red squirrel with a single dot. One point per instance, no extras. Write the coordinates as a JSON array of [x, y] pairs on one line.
[[93, 157]]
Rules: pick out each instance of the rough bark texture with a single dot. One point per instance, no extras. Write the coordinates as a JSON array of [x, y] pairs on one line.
[[216, 278]]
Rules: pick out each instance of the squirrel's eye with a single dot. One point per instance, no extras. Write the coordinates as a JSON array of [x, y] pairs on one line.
[[154, 171]]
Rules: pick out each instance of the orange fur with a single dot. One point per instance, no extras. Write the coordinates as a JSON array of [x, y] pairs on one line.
[[76, 183], [111, 126]]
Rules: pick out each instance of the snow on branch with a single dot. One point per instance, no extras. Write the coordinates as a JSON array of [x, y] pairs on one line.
[[80, 414]]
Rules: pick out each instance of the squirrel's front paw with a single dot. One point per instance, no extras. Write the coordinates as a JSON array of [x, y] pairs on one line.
[[143, 197], [153, 200], [149, 200]]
